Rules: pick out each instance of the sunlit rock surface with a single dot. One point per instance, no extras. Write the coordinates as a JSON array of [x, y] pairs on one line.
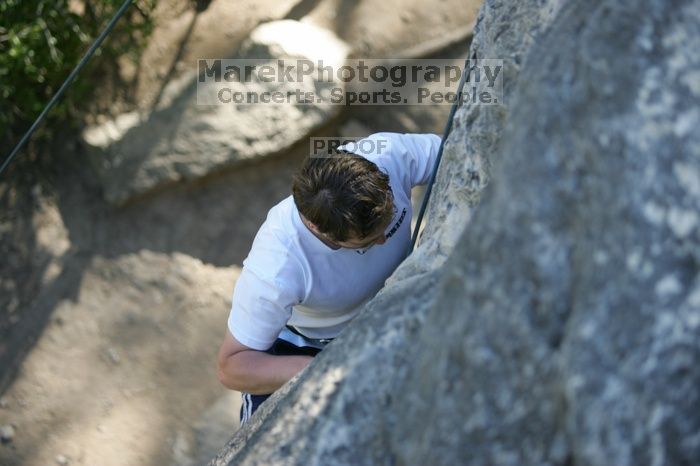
[[192, 137]]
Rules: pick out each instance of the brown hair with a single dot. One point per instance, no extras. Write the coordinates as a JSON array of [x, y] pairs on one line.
[[344, 195]]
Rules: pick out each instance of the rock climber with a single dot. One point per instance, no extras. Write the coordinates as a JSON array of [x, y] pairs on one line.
[[320, 255]]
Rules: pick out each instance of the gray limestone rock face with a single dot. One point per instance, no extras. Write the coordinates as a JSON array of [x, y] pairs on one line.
[[191, 137], [567, 330], [610, 130], [503, 31], [559, 321]]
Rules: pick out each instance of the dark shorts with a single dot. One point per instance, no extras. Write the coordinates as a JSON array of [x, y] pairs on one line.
[[279, 348]]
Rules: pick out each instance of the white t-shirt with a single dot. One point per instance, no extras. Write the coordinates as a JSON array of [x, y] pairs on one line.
[[291, 277]]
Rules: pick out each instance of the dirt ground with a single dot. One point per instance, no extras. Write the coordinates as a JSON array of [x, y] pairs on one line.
[[110, 318], [124, 370]]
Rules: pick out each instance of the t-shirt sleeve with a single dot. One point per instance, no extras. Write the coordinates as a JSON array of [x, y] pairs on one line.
[[409, 157], [420, 154], [260, 309]]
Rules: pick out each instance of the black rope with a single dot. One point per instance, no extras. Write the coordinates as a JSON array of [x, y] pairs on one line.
[[448, 128], [66, 83]]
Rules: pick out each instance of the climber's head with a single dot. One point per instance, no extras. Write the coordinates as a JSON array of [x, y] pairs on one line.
[[345, 199]]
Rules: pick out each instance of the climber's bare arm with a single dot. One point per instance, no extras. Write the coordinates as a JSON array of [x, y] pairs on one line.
[[247, 370]]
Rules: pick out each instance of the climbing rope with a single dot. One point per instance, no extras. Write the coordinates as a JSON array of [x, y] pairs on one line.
[[66, 83], [448, 128]]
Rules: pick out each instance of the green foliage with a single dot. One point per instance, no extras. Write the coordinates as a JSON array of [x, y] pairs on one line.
[[42, 40]]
